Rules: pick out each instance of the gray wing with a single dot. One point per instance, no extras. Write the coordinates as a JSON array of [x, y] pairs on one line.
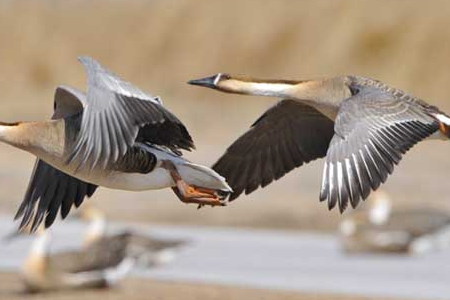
[[283, 138], [144, 243], [372, 131], [50, 189], [418, 222], [68, 101], [113, 115], [102, 255]]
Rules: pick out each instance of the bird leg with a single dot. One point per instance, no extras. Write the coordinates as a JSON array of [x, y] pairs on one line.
[[191, 194]]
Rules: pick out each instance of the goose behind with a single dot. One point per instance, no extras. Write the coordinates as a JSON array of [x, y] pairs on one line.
[[362, 127]]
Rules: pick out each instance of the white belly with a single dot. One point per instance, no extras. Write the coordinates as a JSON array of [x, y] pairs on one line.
[[157, 179]]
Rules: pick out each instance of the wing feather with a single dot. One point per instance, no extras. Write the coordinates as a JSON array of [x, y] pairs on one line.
[[283, 138], [373, 130], [116, 114]]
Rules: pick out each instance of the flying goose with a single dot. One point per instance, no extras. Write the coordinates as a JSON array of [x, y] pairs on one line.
[[148, 250], [114, 136], [96, 266], [362, 126], [378, 228]]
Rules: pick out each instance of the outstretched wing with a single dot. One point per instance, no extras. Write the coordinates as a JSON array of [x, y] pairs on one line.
[[283, 138], [372, 131], [116, 115], [51, 190]]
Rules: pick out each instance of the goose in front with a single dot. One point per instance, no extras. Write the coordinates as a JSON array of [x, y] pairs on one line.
[[96, 266], [377, 228], [362, 126], [114, 136]]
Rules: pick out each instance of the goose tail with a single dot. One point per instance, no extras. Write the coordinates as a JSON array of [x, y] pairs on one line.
[[444, 122], [203, 177]]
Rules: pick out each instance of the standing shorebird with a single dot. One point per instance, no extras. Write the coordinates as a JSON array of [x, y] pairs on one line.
[[114, 136], [377, 228], [147, 249], [361, 125], [96, 266]]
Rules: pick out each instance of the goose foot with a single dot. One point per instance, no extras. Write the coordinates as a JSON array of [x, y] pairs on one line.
[[192, 194]]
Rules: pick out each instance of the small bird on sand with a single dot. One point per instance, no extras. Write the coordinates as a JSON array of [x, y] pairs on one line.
[[98, 266], [148, 249], [376, 227]]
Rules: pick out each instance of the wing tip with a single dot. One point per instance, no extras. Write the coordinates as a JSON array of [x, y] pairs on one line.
[[87, 60]]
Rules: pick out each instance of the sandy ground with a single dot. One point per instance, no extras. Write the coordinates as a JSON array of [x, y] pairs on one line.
[[134, 289]]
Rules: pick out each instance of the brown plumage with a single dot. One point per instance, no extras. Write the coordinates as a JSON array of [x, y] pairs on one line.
[[114, 135], [362, 127], [96, 266], [148, 250]]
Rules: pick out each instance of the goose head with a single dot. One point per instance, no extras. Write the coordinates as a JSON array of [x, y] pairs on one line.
[[327, 90]]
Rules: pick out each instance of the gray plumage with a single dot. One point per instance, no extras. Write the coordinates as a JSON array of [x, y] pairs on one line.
[[118, 108], [362, 126], [373, 129], [101, 255], [107, 137]]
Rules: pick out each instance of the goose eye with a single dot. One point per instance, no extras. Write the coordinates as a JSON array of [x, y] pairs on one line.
[[354, 90]]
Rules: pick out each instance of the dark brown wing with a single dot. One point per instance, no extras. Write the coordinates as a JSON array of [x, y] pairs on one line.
[[373, 130], [283, 138], [50, 189]]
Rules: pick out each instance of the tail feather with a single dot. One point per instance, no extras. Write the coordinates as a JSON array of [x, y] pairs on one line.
[[445, 129], [202, 176], [444, 123]]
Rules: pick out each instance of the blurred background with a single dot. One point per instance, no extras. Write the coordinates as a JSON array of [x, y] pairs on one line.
[[159, 45]]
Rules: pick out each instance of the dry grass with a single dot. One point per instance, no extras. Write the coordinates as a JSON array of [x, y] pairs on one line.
[[159, 45]]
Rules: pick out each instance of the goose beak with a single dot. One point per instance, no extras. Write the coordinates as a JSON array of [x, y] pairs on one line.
[[210, 82]]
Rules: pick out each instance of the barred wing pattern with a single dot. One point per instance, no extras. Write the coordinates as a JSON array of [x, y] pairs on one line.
[[113, 115], [372, 131]]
